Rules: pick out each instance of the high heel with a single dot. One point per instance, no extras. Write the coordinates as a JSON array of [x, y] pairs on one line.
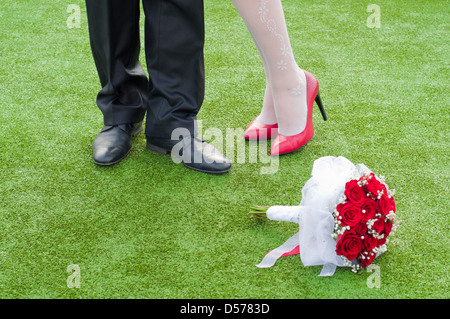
[[320, 105], [286, 144], [259, 131]]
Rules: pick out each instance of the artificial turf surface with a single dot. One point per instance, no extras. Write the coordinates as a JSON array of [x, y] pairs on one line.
[[149, 228]]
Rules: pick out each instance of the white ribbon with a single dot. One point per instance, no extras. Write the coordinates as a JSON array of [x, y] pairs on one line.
[[328, 270], [271, 258]]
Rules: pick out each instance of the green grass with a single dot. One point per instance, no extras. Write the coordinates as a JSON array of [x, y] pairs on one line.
[[148, 228]]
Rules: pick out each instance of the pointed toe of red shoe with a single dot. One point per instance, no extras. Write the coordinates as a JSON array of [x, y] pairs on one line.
[[287, 144], [259, 131]]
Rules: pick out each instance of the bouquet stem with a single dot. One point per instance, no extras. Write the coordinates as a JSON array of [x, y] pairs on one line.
[[259, 211]]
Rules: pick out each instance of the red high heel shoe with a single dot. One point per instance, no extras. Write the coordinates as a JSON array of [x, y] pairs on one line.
[[286, 144], [259, 131]]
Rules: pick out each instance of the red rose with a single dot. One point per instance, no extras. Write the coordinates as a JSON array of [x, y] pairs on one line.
[[368, 209], [367, 260], [355, 193], [378, 225], [349, 245], [384, 205], [369, 242], [387, 228], [360, 229], [382, 241], [374, 186], [350, 214], [391, 198]]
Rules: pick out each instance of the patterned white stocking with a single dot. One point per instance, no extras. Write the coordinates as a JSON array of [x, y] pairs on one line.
[[285, 96]]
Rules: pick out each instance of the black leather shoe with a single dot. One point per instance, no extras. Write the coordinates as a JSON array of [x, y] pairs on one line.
[[194, 153], [113, 143]]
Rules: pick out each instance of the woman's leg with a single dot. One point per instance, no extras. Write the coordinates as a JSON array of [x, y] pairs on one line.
[[286, 82]]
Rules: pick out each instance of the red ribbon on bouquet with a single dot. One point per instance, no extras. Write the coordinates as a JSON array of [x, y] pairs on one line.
[[295, 251]]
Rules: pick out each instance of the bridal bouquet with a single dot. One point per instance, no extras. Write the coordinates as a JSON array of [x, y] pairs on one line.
[[345, 217]]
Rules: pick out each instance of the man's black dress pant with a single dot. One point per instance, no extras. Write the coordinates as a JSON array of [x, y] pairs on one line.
[[173, 92]]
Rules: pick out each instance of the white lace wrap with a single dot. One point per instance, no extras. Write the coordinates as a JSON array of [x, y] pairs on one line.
[[320, 195]]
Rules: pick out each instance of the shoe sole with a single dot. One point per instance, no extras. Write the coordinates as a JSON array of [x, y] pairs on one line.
[[164, 151], [157, 149], [209, 172], [111, 163]]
